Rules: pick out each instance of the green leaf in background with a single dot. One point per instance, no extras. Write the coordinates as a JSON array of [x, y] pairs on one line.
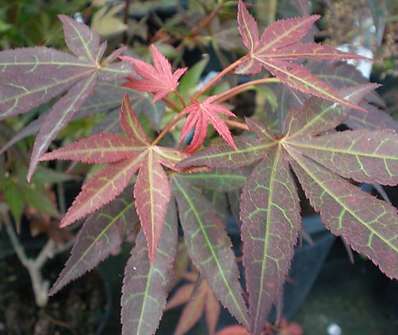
[[48, 176], [106, 22], [190, 80], [13, 199]]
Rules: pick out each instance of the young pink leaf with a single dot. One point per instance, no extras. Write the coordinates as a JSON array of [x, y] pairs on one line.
[[99, 148], [157, 79], [200, 114], [270, 213], [130, 123], [146, 284], [102, 188], [152, 194]]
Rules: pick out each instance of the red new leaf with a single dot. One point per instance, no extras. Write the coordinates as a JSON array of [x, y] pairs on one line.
[[280, 45], [200, 115], [158, 78]]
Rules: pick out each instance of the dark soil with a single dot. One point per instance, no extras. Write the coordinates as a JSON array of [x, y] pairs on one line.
[[78, 309]]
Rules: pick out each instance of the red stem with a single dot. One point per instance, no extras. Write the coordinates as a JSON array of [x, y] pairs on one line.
[[243, 87], [218, 77], [169, 127]]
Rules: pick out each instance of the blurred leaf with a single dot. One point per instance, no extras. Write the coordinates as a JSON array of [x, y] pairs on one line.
[[37, 198], [106, 23], [47, 176], [190, 80], [13, 199], [199, 299]]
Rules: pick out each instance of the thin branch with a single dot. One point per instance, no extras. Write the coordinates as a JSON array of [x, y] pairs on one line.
[[237, 124], [219, 76], [243, 87], [205, 22], [180, 98], [19, 250], [169, 127], [39, 284], [171, 104]]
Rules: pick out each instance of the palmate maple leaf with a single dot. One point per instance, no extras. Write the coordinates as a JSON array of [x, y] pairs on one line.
[[280, 46], [125, 154], [200, 115], [157, 79], [199, 299], [324, 161], [31, 77]]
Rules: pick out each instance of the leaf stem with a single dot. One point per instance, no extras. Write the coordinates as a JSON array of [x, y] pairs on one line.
[[237, 124], [169, 127], [243, 87], [219, 76], [206, 20], [171, 104], [180, 98]]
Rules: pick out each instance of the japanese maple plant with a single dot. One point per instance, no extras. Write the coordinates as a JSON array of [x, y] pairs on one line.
[[164, 184]]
